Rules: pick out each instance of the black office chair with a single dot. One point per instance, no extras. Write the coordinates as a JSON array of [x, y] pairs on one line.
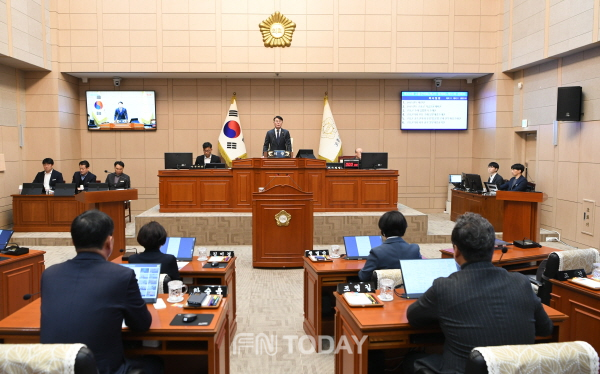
[[573, 259], [20, 358]]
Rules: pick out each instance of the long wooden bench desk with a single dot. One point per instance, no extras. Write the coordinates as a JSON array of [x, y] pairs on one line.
[[185, 349], [195, 274], [387, 328], [516, 259], [19, 275]]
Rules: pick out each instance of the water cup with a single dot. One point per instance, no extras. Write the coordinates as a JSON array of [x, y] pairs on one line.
[[202, 254], [335, 251], [20, 188], [176, 291], [386, 289]]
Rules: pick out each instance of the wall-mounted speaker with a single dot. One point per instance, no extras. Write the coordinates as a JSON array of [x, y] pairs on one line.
[[568, 104]]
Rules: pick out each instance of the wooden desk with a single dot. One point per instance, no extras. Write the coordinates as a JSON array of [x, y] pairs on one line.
[[230, 190], [582, 305], [322, 278], [45, 213], [19, 275], [185, 349], [487, 206], [207, 276], [387, 328], [515, 256]]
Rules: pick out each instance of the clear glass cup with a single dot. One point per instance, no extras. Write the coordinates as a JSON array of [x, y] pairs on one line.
[[335, 251], [202, 254], [386, 289]]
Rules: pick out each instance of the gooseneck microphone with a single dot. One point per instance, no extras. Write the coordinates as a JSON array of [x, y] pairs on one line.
[[106, 171], [28, 296]]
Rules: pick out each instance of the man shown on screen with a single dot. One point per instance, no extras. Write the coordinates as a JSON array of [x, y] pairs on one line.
[[208, 157], [494, 178], [49, 177], [118, 179], [518, 182], [83, 177], [121, 113], [277, 139]]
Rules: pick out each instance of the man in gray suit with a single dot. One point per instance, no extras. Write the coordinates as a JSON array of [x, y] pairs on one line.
[[480, 305]]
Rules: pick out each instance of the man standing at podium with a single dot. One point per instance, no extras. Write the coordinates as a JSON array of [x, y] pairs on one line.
[[277, 139]]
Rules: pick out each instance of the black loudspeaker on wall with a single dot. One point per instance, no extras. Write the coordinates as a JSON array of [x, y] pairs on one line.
[[568, 104]]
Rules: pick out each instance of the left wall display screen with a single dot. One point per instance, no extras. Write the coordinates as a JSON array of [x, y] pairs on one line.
[[121, 110]]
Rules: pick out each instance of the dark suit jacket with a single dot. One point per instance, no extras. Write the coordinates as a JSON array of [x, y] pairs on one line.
[[85, 300], [388, 256], [123, 182], [121, 114], [479, 306], [168, 263], [55, 178], [89, 178], [213, 159], [282, 143], [515, 184], [498, 180]]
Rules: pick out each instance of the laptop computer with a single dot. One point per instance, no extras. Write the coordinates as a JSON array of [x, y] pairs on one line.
[[358, 247], [32, 188], [490, 187], [181, 248], [418, 275], [148, 277], [95, 187], [5, 236], [65, 189]]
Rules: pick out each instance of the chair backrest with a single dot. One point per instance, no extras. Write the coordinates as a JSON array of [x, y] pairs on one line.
[[393, 274], [560, 358], [164, 280], [47, 358]]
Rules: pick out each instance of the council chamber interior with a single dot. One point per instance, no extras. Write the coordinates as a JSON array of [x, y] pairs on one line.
[[509, 59]]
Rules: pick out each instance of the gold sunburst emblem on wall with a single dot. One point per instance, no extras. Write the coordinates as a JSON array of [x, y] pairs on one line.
[[277, 30]]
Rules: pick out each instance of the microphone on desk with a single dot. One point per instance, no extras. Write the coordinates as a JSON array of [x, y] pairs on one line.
[[28, 296], [106, 171]]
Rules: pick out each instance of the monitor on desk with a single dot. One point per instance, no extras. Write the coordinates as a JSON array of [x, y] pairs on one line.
[[215, 165], [148, 277], [32, 188], [473, 183], [374, 160], [95, 187], [359, 247], [65, 189], [181, 248], [178, 160]]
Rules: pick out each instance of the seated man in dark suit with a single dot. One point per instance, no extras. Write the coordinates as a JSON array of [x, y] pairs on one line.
[[277, 139], [208, 157], [83, 177], [388, 255], [118, 179], [494, 178], [86, 299], [49, 177], [152, 236], [481, 305], [518, 182]]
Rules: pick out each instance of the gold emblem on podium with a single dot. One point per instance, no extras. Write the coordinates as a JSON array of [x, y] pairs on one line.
[[283, 218], [277, 30]]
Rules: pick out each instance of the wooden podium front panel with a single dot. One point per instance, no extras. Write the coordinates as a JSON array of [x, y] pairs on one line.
[[375, 192], [45, 213], [488, 207], [521, 221], [215, 193], [315, 180], [242, 189], [342, 192]]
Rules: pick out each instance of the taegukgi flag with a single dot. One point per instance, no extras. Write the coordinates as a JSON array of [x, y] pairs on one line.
[[231, 140], [330, 146]]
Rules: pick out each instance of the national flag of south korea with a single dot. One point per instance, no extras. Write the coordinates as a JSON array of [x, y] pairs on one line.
[[330, 147], [231, 140]]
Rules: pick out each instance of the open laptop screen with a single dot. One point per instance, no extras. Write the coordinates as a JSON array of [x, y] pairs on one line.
[[418, 275], [148, 277], [5, 236], [181, 248], [360, 246]]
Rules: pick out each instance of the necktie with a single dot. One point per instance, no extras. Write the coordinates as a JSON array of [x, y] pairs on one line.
[[278, 134]]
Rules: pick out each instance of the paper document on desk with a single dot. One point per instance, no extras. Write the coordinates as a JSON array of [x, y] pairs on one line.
[[181, 264]]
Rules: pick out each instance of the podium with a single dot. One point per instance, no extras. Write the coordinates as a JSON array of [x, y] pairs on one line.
[[282, 226], [521, 215], [111, 203]]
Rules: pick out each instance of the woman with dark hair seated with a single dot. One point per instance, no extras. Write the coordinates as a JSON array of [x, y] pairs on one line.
[[388, 255], [151, 236]]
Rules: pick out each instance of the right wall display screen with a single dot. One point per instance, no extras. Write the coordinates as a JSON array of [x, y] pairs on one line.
[[434, 110]]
